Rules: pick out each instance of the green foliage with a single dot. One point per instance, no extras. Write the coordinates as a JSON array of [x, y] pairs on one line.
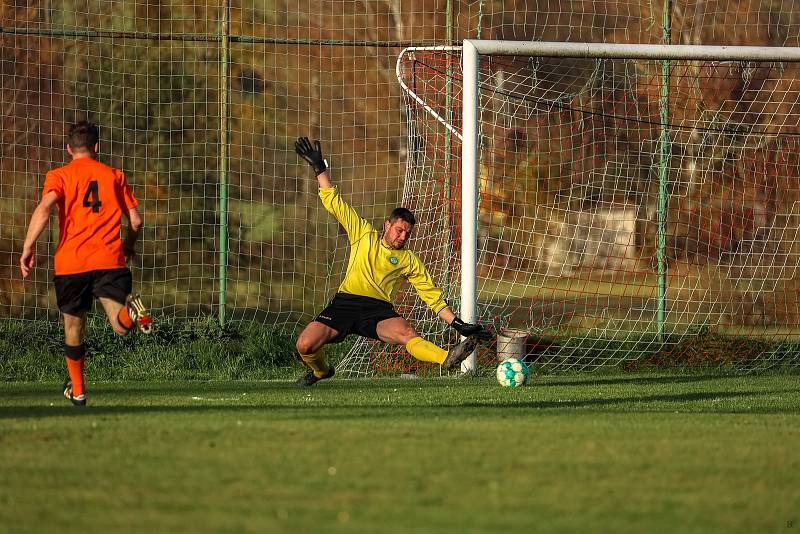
[[187, 349]]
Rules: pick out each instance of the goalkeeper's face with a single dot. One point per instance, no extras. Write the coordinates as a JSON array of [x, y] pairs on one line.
[[396, 234]]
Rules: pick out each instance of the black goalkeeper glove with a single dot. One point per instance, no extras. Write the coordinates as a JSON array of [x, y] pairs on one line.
[[466, 329], [312, 154]]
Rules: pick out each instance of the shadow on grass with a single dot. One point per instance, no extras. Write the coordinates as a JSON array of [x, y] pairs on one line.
[[630, 380], [696, 402], [181, 385]]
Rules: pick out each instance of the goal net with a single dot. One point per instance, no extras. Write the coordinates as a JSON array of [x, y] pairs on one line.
[[636, 204]]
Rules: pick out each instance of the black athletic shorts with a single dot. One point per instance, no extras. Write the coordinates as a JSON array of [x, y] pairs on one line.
[[354, 314], [76, 292]]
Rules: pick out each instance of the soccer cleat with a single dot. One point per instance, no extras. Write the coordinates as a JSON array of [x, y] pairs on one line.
[[80, 400], [459, 353], [139, 314], [309, 378]]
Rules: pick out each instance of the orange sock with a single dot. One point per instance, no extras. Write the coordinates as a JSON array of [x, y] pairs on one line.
[[124, 318], [75, 368]]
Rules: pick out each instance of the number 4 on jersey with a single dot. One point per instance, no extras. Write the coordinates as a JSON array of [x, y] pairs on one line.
[[92, 197]]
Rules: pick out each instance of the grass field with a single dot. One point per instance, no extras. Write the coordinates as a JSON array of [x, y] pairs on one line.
[[610, 453]]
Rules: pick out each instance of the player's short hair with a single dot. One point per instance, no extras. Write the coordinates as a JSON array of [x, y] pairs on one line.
[[83, 135], [404, 214]]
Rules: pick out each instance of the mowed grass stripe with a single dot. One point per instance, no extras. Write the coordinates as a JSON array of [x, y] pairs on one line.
[[616, 453]]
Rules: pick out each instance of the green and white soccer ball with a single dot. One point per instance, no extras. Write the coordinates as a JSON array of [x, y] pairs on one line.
[[512, 373]]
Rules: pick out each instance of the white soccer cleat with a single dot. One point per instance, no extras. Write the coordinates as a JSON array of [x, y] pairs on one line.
[[79, 400], [139, 314]]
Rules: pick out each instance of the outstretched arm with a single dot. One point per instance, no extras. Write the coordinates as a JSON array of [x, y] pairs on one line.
[[135, 222], [353, 224], [39, 221], [465, 329], [324, 179], [313, 155], [447, 315], [419, 277]]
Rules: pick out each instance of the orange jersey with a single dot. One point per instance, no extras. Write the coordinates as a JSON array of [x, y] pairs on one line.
[[92, 197]]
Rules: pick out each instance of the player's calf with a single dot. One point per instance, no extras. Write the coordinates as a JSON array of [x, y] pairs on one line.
[[73, 387]]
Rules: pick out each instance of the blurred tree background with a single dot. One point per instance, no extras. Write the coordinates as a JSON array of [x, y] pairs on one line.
[[148, 72]]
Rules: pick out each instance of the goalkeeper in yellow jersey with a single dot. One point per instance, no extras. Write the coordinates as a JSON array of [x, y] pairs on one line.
[[378, 262]]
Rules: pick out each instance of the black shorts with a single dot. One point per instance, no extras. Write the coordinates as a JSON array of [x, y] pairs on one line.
[[76, 292], [354, 314]]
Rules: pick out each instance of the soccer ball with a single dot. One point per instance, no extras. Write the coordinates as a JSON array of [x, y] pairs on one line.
[[512, 373]]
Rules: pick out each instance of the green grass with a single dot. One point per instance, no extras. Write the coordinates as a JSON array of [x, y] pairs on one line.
[[191, 349], [612, 453]]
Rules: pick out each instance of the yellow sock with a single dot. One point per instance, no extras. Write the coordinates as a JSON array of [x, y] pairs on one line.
[[317, 363], [425, 351]]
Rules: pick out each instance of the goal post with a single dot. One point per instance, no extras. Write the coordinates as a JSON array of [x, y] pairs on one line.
[[469, 190], [474, 50], [612, 205]]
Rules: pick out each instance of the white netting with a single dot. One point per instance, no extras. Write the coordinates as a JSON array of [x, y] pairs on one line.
[[570, 167], [150, 74]]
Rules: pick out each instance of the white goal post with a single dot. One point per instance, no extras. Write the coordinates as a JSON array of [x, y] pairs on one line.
[[473, 50], [609, 205]]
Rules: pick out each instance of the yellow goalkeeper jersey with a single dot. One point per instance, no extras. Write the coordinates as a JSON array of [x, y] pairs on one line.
[[375, 269]]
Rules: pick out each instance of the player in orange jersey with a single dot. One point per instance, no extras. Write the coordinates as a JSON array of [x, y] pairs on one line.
[[90, 261]]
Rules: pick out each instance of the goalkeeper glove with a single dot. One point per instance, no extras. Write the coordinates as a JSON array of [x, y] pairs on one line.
[[312, 154], [466, 329]]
